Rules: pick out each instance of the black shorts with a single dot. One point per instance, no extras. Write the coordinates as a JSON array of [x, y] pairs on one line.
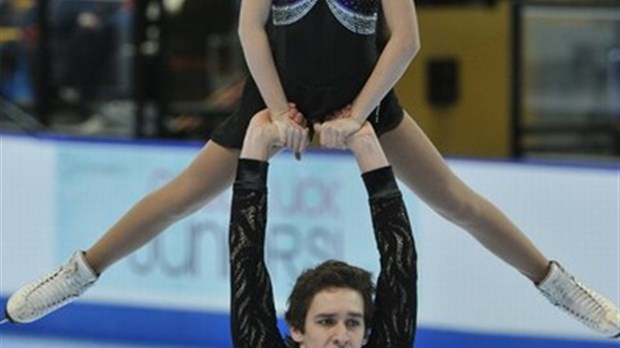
[[314, 102]]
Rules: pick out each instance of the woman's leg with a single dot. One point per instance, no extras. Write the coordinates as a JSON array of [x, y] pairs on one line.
[[422, 168], [210, 173]]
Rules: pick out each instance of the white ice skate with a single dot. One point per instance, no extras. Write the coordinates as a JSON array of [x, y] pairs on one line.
[[51, 292], [584, 304]]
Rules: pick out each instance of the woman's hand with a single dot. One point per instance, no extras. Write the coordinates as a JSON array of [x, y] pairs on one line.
[[264, 138], [337, 129], [292, 128]]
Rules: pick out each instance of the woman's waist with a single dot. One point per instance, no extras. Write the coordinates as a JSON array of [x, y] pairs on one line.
[[324, 59], [318, 101], [321, 72]]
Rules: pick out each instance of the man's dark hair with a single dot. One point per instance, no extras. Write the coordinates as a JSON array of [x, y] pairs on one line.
[[329, 274]]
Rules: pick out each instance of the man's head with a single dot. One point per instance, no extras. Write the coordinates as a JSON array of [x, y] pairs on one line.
[[331, 305]]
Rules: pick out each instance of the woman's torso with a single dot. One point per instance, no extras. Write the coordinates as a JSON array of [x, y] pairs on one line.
[[324, 49]]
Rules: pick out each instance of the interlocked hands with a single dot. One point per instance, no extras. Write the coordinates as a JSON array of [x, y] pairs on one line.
[[290, 129]]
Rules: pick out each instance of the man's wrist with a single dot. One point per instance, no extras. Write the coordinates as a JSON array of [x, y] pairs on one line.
[[363, 143], [257, 144], [367, 149]]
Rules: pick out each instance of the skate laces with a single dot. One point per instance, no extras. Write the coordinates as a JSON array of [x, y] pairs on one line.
[[56, 289], [588, 307], [575, 298]]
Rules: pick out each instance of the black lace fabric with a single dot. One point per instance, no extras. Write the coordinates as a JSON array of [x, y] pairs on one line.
[[253, 315], [395, 317]]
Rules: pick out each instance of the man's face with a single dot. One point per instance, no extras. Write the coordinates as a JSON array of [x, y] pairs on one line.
[[335, 319]]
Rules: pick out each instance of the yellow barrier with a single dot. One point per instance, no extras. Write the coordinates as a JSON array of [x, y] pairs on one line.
[[478, 37]]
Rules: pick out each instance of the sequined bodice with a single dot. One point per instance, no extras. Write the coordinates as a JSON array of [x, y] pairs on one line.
[[325, 50], [358, 16]]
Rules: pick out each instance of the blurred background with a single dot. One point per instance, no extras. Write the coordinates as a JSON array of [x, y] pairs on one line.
[[494, 78], [522, 97]]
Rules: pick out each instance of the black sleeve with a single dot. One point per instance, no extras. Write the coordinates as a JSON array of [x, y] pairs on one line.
[[253, 315], [394, 322]]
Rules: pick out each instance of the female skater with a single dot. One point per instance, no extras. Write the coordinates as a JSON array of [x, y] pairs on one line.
[[321, 55], [331, 304]]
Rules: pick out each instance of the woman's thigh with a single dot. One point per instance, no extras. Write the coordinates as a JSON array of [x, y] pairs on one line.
[[420, 166]]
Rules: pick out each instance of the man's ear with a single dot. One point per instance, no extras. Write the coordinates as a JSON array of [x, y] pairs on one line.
[[366, 335], [297, 335]]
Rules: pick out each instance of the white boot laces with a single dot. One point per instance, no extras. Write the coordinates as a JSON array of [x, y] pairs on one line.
[[575, 298], [54, 291]]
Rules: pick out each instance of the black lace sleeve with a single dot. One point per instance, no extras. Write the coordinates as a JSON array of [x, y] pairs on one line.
[[253, 315], [394, 322]]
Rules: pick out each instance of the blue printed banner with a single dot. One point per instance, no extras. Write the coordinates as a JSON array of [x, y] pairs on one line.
[[317, 210]]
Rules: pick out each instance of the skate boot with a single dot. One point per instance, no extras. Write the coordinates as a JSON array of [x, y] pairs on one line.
[[585, 305], [51, 292]]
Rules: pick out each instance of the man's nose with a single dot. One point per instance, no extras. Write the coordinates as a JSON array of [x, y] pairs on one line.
[[341, 334]]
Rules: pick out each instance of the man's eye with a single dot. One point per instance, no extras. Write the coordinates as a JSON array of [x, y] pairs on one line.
[[326, 322], [352, 323]]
